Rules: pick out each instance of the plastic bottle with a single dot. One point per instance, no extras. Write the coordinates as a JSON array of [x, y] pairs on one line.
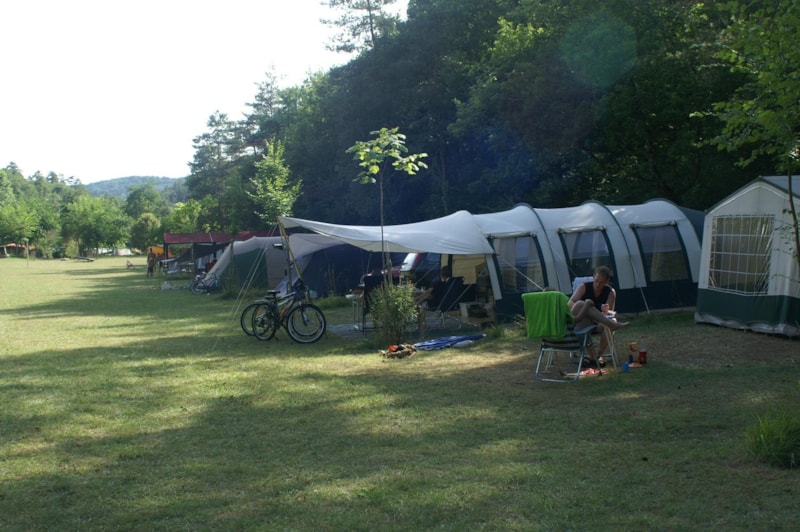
[[642, 351]]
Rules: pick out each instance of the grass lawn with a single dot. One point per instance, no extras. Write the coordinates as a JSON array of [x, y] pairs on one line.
[[124, 406]]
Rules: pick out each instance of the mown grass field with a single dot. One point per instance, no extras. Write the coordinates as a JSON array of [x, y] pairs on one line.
[[124, 406]]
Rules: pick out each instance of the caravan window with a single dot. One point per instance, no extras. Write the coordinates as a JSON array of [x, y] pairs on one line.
[[520, 264], [663, 255], [740, 253], [585, 251]]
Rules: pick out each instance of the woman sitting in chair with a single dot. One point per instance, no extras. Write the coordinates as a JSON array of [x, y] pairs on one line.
[[590, 302]]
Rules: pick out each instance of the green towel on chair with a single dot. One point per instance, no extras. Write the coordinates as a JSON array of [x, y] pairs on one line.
[[546, 314]]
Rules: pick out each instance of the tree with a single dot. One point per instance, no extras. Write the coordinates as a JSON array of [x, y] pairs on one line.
[[362, 23], [18, 221], [375, 157], [96, 222], [273, 193], [143, 198], [184, 218], [145, 231], [763, 114]]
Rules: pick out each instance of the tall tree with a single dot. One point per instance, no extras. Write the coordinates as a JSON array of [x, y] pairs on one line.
[[361, 23], [763, 115], [272, 192]]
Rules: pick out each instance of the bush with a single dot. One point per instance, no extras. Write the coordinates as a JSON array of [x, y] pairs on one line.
[[392, 308], [775, 439]]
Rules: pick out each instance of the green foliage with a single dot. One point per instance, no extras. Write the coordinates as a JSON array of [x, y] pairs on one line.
[[775, 438], [387, 149], [169, 188], [393, 307], [18, 221], [273, 193], [144, 198], [184, 218], [361, 24], [763, 115], [96, 222], [146, 231]]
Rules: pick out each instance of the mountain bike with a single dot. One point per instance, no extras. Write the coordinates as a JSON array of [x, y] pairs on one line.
[[304, 321], [205, 284]]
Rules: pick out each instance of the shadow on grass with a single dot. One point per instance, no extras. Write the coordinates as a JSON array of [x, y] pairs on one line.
[[208, 428]]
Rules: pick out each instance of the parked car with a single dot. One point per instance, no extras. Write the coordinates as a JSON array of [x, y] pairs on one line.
[[423, 268]]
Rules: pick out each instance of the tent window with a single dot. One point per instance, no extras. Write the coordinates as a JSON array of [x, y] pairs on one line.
[[740, 253], [520, 264], [585, 251], [663, 254]]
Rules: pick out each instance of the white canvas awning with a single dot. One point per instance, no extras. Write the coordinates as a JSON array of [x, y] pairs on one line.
[[456, 234]]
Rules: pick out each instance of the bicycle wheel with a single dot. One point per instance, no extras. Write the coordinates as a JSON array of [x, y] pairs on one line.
[[198, 287], [306, 324], [246, 321], [264, 322]]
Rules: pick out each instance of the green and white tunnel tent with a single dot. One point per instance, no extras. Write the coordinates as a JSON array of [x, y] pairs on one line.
[[653, 249], [749, 273]]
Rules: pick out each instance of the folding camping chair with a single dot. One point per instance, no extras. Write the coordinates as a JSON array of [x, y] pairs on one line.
[[563, 348], [448, 304]]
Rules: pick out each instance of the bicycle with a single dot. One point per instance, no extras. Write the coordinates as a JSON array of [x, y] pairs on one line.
[[304, 321], [246, 320], [205, 284]]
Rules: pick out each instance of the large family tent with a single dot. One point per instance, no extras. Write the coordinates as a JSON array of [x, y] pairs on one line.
[[749, 274], [653, 249]]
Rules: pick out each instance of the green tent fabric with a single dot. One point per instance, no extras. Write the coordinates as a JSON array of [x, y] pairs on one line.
[[546, 314]]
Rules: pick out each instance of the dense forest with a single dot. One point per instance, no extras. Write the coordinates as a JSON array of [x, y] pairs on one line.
[[548, 102]]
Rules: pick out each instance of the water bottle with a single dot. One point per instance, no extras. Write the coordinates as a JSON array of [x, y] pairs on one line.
[[642, 351]]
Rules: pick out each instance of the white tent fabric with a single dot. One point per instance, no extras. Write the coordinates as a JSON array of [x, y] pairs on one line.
[[617, 222], [456, 234], [749, 274], [551, 245]]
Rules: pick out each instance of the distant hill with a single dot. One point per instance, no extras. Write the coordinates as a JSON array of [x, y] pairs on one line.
[[119, 187]]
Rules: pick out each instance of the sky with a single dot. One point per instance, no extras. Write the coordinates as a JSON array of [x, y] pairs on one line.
[[100, 89]]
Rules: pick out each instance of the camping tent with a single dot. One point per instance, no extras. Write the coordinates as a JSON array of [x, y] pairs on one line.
[[193, 249], [328, 265], [749, 274], [253, 262], [653, 249], [456, 234]]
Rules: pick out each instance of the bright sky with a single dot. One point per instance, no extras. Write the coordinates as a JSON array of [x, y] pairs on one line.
[[100, 89]]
